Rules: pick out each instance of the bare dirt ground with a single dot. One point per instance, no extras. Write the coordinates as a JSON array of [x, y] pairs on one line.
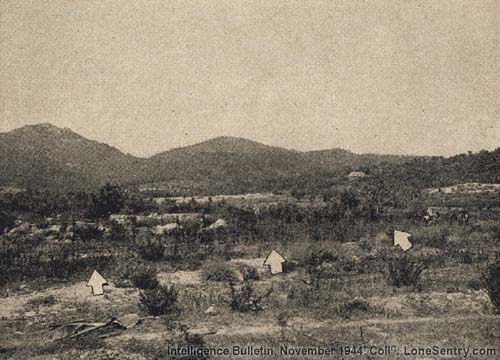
[[438, 317]]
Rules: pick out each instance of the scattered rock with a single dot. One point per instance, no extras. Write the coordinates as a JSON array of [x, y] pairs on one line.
[[129, 320], [393, 307], [220, 223], [211, 311]]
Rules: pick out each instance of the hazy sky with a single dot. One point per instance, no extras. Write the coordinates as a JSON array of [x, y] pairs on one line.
[[384, 76]]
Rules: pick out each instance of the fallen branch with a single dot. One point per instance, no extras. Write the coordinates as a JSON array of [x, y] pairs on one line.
[[86, 329]]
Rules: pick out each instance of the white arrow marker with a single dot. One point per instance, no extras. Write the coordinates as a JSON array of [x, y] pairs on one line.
[[401, 240], [96, 282], [275, 261]]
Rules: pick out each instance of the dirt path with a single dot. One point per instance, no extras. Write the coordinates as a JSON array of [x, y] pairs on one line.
[[429, 319], [301, 324]]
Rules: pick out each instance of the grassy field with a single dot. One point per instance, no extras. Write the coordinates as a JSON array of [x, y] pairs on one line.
[[351, 310], [335, 295]]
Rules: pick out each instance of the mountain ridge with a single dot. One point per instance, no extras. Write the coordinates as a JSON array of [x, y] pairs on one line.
[[50, 128], [46, 156]]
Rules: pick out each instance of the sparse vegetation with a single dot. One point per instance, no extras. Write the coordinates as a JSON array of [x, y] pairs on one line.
[[161, 300], [137, 275], [492, 281], [249, 273], [110, 199], [42, 301], [151, 249], [404, 271], [352, 307], [6, 220], [144, 277], [244, 299], [219, 271], [321, 265], [335, 232]]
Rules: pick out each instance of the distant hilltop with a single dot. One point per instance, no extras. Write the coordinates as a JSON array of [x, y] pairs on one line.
[[45, 156]]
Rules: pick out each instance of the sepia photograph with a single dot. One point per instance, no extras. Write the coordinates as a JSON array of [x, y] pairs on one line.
[[249, 179]]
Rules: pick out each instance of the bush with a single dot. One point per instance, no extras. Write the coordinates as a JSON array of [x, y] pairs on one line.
[[191, 262], [249, 273], [317, 258], [24, 258], [349, 308], [320, 265], [137, 275], [7, 220], [436, 236], [351, 264], [219, 271], [122, 273], [476, 284], [151, 249], [466, 256], [492, 281], [243, 299], [109, 200], [46, 300], [86, 232], [159, 301], [118, 232], [144, 277], [404, 271], [366, 244]]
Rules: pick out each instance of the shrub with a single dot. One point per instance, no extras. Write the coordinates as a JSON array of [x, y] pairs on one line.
[[144, 277], [46, 300], [351, 307], [351, 264], [243, 299], [219, 271], [466, 256], [366, 244], [7, 220], [316, 258], [492, 281], [118, 232], [476, 284], [138, 275], [436, 237], [159, 301], [249, 273], [150, 249], [197, 343], [349, 199], [86, 232], [404, 271], [122, 273], [109, 200], [320, 265], [187, 258]]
